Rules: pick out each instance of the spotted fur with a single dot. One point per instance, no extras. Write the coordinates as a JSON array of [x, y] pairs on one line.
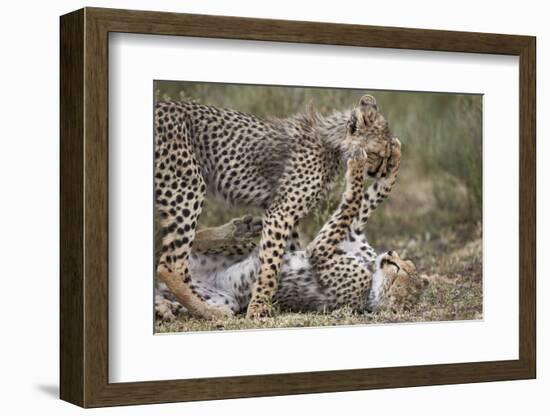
[[339, 268], [282, 165]]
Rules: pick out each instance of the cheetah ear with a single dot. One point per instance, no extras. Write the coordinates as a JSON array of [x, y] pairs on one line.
[[368, 101], [369, 108]]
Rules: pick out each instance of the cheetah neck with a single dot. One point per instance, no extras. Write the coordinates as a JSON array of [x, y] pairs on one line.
[[332, 131], [377, 290], [379, 287]]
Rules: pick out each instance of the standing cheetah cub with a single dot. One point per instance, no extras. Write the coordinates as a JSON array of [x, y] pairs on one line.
[[285, 166]]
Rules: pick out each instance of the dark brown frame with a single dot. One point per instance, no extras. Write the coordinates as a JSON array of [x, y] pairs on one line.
[[84, 209]]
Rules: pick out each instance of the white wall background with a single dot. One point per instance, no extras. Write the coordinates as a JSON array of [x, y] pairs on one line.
[[29, 159]]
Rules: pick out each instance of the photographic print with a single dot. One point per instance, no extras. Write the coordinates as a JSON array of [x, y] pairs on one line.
[[287, 207], [364, 200]]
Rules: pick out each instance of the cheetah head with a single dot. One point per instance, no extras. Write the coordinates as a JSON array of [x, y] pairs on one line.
[[368, 134], [396, 284]]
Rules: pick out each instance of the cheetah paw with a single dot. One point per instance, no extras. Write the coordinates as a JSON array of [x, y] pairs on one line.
[[259, 310], [247, 227], [217, 312], [359, 162]]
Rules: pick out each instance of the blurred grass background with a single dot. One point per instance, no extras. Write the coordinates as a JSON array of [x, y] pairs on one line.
[[432, 217], [440, 182]]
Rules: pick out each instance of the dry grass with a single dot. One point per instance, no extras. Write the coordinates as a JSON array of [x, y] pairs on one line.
[[453, 260]]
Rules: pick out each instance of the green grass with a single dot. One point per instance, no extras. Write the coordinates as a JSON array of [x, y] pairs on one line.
[[433, 213]]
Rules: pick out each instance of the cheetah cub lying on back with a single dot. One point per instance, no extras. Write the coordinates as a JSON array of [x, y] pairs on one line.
[[282, 165], [339, 268]]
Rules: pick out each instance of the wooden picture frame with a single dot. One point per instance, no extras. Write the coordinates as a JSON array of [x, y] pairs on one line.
[[84, 207]]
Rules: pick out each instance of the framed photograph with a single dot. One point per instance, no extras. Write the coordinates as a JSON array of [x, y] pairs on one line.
[[255, 207]]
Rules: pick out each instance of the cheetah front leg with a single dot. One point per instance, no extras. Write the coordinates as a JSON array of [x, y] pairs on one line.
[[381, 188], [344, 277], [337, 228], [356, 243], [277, 227]]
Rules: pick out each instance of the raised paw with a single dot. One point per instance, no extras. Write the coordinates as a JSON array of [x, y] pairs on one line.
[[379, 151], [259, 310], [247, 227], [395, 157], [358, 163]]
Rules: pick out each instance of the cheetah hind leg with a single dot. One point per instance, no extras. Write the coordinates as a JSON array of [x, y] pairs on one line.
[[167, 308], [235, 239], [189, 299], [173, 268], [179, 193]]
